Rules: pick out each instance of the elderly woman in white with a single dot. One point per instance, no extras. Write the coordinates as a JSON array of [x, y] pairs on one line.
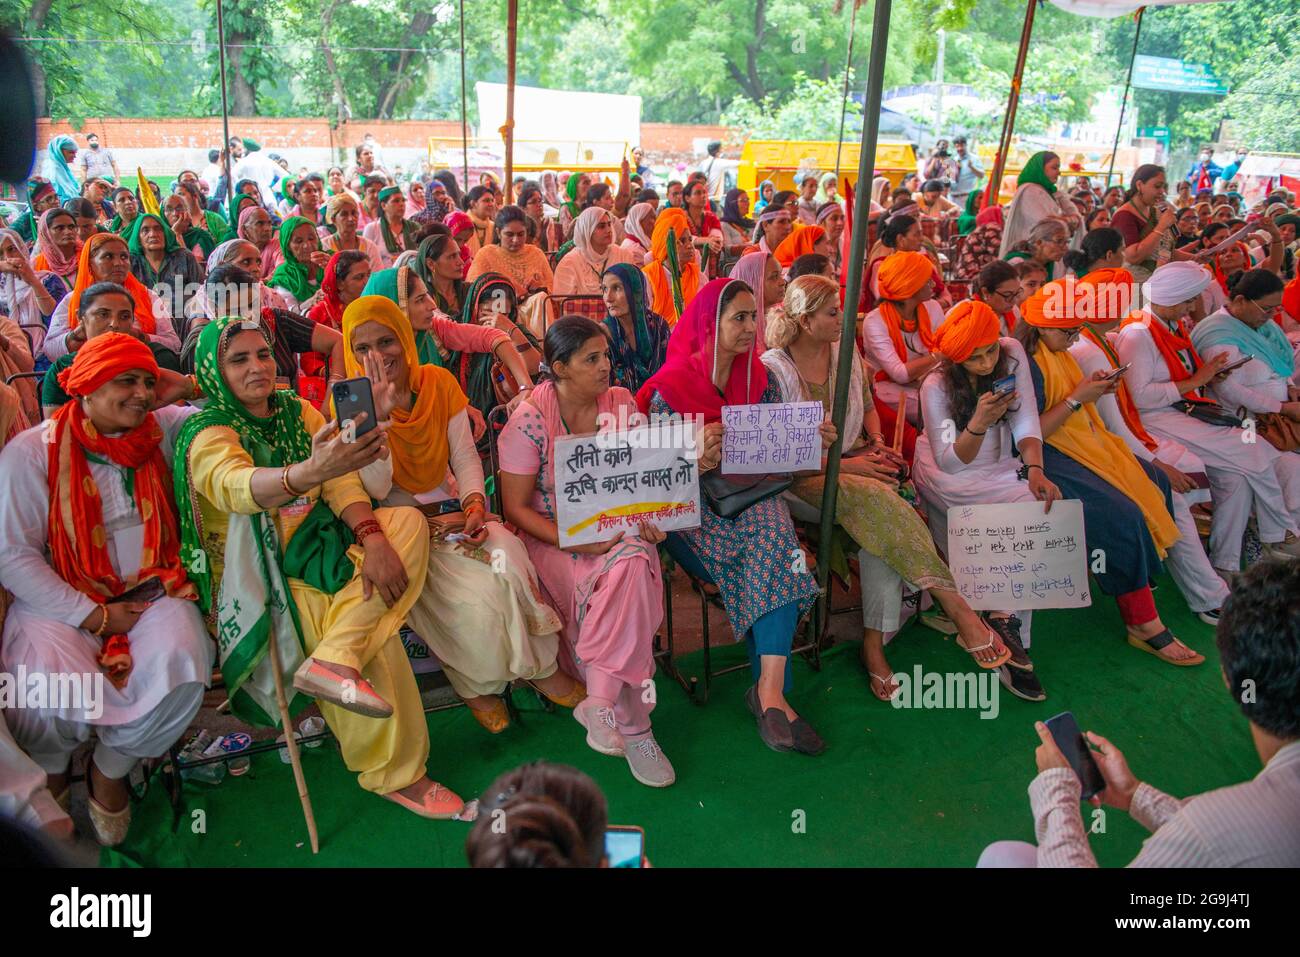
[[1164, 373], [1264, 386], [594, 251]]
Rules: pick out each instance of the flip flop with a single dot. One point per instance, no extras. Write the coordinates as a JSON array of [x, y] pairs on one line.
[[997, 662], [1156, 644], [885, 682]]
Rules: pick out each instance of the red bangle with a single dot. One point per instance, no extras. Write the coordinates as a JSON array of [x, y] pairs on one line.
[[365, 529]]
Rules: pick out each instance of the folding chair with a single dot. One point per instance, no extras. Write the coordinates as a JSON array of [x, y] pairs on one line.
[[588, 306], [664, 646]]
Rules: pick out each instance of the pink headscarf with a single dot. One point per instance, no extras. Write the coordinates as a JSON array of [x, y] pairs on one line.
[[457, 222], [55, 261], [271, 255], [749, 269], [686, 378]]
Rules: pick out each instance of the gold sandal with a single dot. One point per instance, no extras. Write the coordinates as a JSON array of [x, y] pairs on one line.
[[495, 719], [571, 700]]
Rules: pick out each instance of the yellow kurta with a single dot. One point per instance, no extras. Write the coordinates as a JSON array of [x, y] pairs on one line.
[[343, 628]]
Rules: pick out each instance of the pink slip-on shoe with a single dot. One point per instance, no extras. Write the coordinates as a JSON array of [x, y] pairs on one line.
[[438, 804], [350, 694]]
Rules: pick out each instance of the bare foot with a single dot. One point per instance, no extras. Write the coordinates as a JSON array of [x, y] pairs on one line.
[[1174, 651], [992, 653], [110, 793]]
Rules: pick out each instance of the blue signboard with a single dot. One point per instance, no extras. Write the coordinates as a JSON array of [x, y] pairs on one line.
[[1161, 73]]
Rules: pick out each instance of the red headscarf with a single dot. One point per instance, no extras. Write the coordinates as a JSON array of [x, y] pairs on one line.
[[144, 318], [970, 325], [1222, 277], [1291, 299], [50, 256], [686, 378], [798, 243], [328, 311]]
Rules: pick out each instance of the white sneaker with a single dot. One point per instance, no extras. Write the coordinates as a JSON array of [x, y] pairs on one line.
[[648, 762], [602, 732]]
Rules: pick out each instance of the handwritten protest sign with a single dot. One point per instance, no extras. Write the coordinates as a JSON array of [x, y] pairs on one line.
[[611, 482], [771, 437], [1009, 557]]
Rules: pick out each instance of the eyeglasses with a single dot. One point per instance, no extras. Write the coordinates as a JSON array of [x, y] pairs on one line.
[[1006, 296]]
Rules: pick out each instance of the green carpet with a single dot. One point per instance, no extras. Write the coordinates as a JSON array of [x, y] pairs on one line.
[[894, 788]]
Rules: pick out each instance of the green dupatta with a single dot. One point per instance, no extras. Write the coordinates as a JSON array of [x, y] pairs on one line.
[[409, 229], [252, 604], [292, 275], [1034, 173]]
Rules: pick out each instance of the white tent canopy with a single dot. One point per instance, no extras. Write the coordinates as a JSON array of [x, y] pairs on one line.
[[1118, 8]]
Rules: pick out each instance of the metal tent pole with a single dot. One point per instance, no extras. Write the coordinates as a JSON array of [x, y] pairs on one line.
[[464, 123], [844, 102], [1123, 103], [512, 36], [857, 250], [225, 110]]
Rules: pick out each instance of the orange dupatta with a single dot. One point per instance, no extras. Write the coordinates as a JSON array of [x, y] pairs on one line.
[[1169, 345], [144, 317]]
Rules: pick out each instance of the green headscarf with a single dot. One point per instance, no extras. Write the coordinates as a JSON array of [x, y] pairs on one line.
[[170, 245], [286, 189], [390, 284], [966, 221], [235, 204], [277, 440], [409, 229], [571, 191], [477, 383], [1033, 172], [292, 275]]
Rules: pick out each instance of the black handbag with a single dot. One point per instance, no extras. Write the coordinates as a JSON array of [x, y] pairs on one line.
[[728, 496], [1210, 413]]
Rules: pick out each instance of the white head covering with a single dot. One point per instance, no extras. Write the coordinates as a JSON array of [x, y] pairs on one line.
[[17, 299], [583, 227], [223, 253], [1177, 282], [633, 224]]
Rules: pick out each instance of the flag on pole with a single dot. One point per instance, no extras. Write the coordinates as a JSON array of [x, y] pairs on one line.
[[148, 201]]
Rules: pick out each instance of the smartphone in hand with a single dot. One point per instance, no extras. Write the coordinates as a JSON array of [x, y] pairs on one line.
[[1065, 732], [1004, 385], [351, 398], [625, 846], [149, 591]]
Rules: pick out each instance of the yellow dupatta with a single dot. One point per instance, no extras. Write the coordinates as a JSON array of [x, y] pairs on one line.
[[1085, 438], [417, 440]]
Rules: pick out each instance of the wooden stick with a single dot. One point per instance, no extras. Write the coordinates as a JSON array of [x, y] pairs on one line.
[[900, 422], [291, 743]]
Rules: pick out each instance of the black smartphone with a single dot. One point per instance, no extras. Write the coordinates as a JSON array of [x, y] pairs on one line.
[[1235, 365], [1065, 732], [1116, 373], [1004, 385], [351, 398], [625, 846], [149, 590]]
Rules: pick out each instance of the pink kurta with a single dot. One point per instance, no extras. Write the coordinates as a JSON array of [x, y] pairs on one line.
[[611, 604]]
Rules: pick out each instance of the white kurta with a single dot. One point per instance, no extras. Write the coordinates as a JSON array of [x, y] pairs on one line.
[[1255, 387], [170, 646], [164, 334], [991, 477], [1029, 207], [374, 235], [330, 243], [1187, 561], [882, 357], [1221, 448], [575, 276]]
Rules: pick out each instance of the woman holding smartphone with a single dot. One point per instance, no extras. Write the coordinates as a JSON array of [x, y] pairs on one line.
[[480, 610], [1106, 293]]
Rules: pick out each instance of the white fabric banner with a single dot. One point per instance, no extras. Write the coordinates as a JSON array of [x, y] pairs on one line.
[[1118, 8]]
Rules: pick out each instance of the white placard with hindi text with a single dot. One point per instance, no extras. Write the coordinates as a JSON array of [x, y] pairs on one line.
[[772, 437], [611, 482], [1016, 557]]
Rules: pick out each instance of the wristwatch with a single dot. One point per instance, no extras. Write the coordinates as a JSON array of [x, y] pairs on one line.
[[1074, 404]]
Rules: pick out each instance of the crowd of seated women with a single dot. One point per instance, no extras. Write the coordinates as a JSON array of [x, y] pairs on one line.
[[182, 430]]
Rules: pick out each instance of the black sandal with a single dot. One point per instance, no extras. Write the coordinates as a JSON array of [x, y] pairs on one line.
[[1157, 643]]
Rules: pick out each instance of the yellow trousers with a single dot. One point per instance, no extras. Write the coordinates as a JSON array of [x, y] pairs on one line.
[[345, 629]]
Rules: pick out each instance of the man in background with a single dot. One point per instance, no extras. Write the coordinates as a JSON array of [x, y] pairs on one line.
[[96, 160], [967, 172]]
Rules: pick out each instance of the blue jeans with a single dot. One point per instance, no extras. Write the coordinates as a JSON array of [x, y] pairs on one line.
[[771, 634]]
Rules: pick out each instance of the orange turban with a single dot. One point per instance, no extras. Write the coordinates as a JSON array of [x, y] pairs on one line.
[[1291, 298], [672, 222], [798, 243], [144, 317], [901, 275], [1104, 295], [1051, 308], [969, 326], [103, 359]]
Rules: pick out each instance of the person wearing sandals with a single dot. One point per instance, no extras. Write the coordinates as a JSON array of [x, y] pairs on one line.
[[609, 594], [1127, 503], [713, 360], [894, 544], [1165, 368], [282, 540], [967, 453], [88, 515], [480, 610]]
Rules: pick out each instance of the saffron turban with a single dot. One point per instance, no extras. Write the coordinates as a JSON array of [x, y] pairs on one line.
[[103, 359], [901, 275], [969, 326]]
